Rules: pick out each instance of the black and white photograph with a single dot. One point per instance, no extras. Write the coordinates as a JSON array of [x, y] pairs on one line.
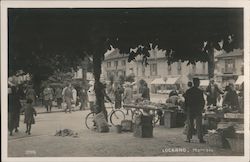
[[124, 80]]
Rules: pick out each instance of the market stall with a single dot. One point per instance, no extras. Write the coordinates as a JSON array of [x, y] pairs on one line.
[[224, 127], [167, 114]]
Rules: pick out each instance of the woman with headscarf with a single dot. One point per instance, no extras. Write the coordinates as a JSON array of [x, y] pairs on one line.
[[145, 92], [231, 97]]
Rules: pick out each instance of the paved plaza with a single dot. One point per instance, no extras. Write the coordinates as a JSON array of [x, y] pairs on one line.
[[89, 143]]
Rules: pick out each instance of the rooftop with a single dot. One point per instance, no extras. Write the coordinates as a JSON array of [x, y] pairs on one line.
[[115, 54], [235, 52]]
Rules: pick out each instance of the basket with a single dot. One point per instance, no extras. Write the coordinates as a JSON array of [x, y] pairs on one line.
[[126, 125], [236, 144], [215, 140]]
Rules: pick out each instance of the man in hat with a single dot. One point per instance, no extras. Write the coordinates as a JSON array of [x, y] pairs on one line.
[[48, 97], [194, 103], [213, 92], [67, 97]]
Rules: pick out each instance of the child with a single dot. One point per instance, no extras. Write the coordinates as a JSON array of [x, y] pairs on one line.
[[28, 115]]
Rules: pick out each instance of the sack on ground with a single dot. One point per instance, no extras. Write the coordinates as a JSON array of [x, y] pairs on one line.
[[101, 123]]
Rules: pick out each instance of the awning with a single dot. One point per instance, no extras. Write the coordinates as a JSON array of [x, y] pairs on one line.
[[240, 80], [158, 81], [172, 80], [204, 82]]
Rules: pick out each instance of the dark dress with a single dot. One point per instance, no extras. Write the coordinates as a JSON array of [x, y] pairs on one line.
[[14, 107], [118, 97], [145, 93], [29, 112], [231, 99]]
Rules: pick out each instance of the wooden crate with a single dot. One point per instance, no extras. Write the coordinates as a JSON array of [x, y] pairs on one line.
[[143, 131], [170, 119]]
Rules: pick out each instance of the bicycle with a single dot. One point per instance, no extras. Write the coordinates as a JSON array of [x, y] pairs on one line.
[[115, 117]]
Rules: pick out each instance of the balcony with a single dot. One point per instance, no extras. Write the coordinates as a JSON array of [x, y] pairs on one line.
[[228, 70]]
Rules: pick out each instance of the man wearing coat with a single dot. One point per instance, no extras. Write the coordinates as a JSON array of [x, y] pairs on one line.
[[213, 93], [194, 103]]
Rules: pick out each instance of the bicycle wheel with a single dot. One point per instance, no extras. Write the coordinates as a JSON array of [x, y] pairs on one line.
[[116, 117], [135, 113], [89, 120]]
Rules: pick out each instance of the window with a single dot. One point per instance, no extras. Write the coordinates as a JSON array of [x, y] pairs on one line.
[[123, 62], [143, 70], [229, 66], [194, 68], [108, 74], [169, 69], [153, 69], [116, 63], [123, 73], [108, 64], [204, 67]]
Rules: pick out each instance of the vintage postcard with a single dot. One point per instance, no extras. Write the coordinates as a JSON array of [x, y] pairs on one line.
[[125, 80]]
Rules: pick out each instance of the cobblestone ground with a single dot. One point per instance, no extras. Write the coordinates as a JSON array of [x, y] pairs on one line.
[[43, 143]]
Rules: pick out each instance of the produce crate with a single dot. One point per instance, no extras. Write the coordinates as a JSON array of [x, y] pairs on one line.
[[146, 120], [126, 125], [215, 140], [170, 118], [180, 119]]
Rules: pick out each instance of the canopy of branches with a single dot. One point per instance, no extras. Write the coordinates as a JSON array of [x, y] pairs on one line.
[[42, 40]]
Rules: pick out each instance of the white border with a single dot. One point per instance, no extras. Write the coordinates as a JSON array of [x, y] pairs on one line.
[[121, 4]]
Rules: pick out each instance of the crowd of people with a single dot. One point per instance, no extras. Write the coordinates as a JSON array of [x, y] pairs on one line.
[[23, 100], [195, 103], [69, 98]]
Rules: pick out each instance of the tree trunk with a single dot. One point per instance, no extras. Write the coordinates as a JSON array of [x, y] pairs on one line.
[[84, 72], [98, 87], [211, 63]]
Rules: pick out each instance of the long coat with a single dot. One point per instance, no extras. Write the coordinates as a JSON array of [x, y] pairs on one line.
[[194, 101], [14, 107]]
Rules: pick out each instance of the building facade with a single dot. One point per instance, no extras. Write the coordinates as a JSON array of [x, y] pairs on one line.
[[117, 64], [229, 66]]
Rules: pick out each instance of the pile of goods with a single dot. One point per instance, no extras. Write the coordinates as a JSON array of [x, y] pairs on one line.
[[66, 132], [221, 109]]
